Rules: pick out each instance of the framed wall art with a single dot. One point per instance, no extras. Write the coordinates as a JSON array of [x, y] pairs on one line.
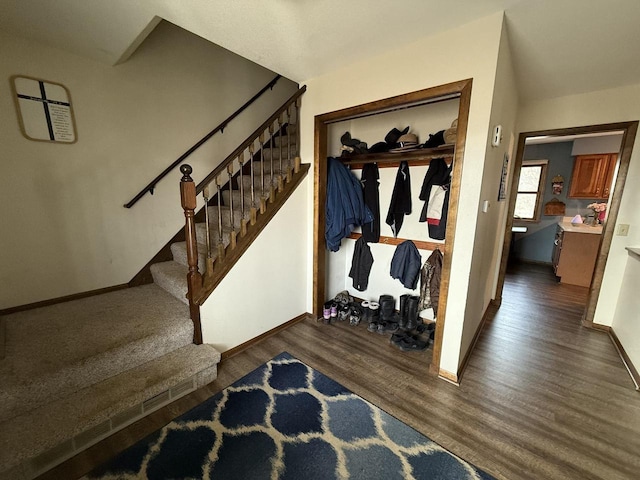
[[44, 110]]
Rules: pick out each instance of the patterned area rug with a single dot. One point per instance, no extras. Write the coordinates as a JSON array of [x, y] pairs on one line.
[[287, 421]]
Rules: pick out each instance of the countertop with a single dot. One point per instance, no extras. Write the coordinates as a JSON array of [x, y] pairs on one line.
[[580, 228]]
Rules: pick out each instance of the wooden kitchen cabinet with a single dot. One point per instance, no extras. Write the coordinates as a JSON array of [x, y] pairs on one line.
[[593, 175], [574, 256]]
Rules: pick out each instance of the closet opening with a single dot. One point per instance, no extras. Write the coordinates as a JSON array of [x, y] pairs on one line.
[[425, 112]]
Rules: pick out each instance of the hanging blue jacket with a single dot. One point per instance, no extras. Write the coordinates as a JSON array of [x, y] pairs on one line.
[[345, 208], [405, 264]]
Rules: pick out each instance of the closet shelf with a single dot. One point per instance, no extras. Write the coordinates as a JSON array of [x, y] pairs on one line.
[[421, 245], [421, 156]]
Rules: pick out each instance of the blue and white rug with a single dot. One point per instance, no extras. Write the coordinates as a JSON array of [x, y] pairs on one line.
[[287, 421]]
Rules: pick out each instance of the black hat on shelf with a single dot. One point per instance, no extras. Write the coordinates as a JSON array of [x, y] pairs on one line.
[[394, 135], [435, 140]]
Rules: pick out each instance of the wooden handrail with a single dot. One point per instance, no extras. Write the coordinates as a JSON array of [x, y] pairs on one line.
[[220, 128], [250, 139]]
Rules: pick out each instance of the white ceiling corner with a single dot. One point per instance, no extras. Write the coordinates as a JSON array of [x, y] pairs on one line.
[[558, 46]]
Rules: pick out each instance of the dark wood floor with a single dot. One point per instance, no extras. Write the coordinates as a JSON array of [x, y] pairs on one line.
[[542, 397]]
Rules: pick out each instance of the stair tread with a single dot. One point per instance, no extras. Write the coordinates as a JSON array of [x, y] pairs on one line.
[[172, 277], [46, 358], [34, 432]]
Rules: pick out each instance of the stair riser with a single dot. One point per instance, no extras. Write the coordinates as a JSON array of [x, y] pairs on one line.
[[179, 252], [258, 167], [277, 141], [268, 153], [201, 235], [224, 212]]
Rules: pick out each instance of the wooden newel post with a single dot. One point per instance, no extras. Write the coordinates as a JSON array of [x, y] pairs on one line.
[[194, 278]]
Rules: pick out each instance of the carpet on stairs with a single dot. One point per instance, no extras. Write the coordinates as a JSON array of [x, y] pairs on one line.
[[78, 371]]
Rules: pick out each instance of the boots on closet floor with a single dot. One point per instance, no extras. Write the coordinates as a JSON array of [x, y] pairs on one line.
[[412, 312], [387, 308], [402, 314]]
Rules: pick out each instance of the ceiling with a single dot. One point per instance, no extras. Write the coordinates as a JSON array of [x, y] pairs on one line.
[[559, 46]]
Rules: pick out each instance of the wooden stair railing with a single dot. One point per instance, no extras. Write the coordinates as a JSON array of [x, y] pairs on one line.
[[259, 197]]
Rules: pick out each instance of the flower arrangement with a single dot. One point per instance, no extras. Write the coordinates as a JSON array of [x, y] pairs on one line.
[[600, 211], [598, 207]]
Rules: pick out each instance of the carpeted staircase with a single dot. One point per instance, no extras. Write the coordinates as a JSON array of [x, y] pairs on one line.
[[76, 372]]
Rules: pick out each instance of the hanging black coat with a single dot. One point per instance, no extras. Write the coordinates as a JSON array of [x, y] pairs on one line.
[[370, 184], [400, 199], [361, 265], [435, 194]]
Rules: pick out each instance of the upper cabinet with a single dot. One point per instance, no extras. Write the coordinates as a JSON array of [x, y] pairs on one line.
[[593, 175]]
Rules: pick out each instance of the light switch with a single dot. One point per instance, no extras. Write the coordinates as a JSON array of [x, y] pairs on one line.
[[623, 230], [485, 206]]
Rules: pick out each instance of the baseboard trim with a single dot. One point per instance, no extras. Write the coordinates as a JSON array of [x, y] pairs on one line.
[[449, 377], [67, 298], [243, 346], [476, 336], [633, 372], [596, 326]]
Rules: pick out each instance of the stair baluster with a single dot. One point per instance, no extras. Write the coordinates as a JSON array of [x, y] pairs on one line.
[[280, 124], [296, 166], [231, 215], [194, 279], [243, 220], [289, 162], [263, 199], [252, 210], [207, 229], [220, 238], [272, 193]]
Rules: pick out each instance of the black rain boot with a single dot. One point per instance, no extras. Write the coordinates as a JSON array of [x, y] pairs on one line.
[[387, 308], [412, 312], [402, 315], [374, 312]]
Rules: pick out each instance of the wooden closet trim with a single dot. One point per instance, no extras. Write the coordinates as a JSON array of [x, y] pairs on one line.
[[460, 89], [420, 244]]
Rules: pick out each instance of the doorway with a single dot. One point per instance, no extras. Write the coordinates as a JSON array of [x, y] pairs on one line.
[[628, 130]]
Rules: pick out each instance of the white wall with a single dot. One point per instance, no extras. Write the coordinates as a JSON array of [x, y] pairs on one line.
[[626, 319], [470, 51], [489, 234], [606, 106], [64, 229], [266, 287]]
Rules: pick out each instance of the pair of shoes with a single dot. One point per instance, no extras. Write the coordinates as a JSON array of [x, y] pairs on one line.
[[329, 311], [373, 326], [343, 312], [409, 343], [355, 315]]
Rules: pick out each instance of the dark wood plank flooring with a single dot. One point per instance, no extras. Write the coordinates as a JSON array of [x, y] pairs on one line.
[[542, 396]]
